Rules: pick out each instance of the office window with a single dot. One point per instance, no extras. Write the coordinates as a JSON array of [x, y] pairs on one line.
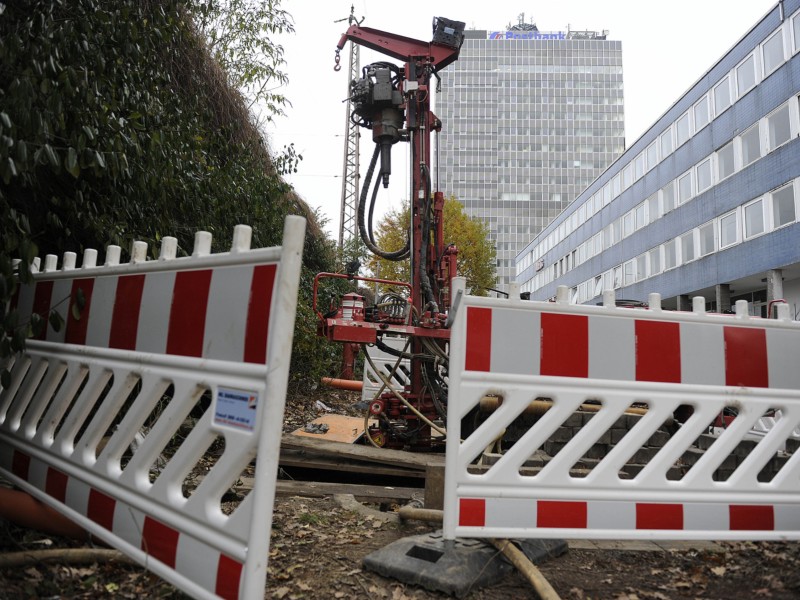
[[627, 176], [608, 281], [654, 257], [616, 185], [778, 128], [627, 224], [641, 267], [703, 175], [685, 188], [773, 52], [754, 219], [796, 29], [652, 155], [665, 141], [638, 167], [746, 75], [608, 237], [640, 213], [617, 277], [668, 197], [629, 272], [725, 162], [728, 230], [687, 247], [707, 245], [701, 114], [671, 254], [783, 206], [682, 129], [607, 194], [722, 95], [751, 145], [653, 211]]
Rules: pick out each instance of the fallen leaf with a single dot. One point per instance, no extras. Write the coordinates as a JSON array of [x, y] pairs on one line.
[[718, 571], [280, 592]]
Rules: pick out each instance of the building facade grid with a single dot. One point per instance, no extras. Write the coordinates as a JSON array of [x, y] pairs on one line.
[[528, 124]]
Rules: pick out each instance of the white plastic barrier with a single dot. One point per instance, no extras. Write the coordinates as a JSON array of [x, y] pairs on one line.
[[385, 363], [146, 346], [614, 361]]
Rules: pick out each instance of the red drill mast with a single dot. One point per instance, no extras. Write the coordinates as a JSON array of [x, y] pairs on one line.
[[395, 104]]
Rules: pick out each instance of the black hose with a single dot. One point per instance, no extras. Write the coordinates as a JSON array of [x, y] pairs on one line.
[[367, 236]]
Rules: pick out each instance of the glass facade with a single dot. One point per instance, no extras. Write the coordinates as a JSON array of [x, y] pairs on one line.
[[528, 124], [705, 203]]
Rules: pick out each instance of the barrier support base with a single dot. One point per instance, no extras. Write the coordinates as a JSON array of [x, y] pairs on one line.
[[454, 567]]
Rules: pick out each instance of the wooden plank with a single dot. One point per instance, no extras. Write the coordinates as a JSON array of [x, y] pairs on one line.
[[410, 460], [371, 493], [339, 428], [308, 460]]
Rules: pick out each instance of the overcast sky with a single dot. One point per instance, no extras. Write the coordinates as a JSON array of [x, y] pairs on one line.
[[666, 46]]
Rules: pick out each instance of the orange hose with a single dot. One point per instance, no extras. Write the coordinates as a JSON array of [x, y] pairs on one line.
[[26, 511], [343, 384]]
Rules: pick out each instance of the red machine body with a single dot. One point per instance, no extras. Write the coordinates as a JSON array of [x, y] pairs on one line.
[[396, 105]]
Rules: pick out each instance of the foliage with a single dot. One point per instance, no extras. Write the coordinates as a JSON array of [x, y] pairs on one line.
[[116, 124], [476, 254], [240, 36]]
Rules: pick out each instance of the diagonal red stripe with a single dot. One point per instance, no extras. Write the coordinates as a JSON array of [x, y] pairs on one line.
[[258, 310], [658, 351], [125, 318], [229, 573], [160, 541], [752, 518], [659, 516], [41, 304], [472, 512], [565, 345], [56, 484], [187, 317], [479, 339], [746, 357], [76, 327], [558, 513], [101, 509]]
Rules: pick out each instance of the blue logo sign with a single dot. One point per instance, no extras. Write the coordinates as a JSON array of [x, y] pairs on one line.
[[527, 35]]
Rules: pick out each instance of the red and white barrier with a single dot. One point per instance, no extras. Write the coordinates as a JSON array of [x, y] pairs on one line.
[[611, 359], [92, 408]]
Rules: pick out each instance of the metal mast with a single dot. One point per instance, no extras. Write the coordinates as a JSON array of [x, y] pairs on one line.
[[348, 224]]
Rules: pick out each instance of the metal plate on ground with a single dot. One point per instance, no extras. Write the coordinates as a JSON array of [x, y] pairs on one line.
[[454, 567]]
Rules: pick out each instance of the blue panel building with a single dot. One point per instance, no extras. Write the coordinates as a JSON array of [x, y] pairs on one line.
[[705, 203]]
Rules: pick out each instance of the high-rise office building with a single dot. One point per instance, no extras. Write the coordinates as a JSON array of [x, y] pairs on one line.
[[530, 119]]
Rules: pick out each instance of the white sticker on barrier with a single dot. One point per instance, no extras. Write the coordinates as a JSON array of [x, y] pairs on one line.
[[151, 377], [608, 418], [236, 408]]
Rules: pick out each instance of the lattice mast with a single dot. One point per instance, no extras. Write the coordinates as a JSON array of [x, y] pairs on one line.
[[348, 224]]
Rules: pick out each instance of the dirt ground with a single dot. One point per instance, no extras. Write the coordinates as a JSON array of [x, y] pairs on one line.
[[318, 545]]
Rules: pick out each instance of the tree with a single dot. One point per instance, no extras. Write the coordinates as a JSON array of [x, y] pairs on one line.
[[476, 254]]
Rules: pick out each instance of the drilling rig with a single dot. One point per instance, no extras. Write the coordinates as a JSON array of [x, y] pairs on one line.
[[394, 102]]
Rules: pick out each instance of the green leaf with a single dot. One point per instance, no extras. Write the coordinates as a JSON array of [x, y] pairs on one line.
[[5, 119], [51, 155], [56, 321], [71, 163]]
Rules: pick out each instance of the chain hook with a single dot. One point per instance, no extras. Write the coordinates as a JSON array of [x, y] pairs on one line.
[[337, 58]]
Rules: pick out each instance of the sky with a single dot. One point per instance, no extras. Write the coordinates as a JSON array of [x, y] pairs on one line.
[[666, 46]]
